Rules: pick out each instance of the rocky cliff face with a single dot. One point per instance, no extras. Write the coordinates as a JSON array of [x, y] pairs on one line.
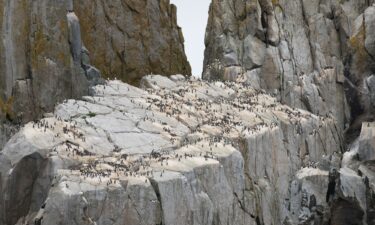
[[317, 56], [47, 47], [183, 152], [305, 52], [130, 38], [41, 60], [263, 146]]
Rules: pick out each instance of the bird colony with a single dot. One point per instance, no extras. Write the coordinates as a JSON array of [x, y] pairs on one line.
[[176, 151]]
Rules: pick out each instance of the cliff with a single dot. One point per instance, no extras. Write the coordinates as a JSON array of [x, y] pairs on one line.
[[182, 152], [278, 132], [41, 61], [128, 39], [49, 47], [315, 55]]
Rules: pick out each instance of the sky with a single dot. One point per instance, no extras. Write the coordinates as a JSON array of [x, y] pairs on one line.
[[192, 16]]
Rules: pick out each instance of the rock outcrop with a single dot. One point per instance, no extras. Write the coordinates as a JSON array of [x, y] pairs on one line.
[[264, 144], [359, 164], [361, 68], [42, 58], [305, 52], [317, 56], [128, 39], [49, 47], [40, 64], [178, 152]]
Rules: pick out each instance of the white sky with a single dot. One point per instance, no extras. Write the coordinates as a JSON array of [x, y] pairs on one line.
[[192, 16]]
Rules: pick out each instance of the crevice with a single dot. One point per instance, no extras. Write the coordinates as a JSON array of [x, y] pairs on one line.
[[155, 187], [308, 35], [134, 206], [242, 206]]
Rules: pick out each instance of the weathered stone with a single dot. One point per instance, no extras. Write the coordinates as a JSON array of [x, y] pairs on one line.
[[362, 66], [128, 39], [369, 16], [45, 60], [254, 52], [41, 64], [366, 150], [180, 152], [289, 41]]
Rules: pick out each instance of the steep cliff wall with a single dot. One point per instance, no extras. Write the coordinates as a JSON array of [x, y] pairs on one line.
[[128, 39], [43, 59], [305, 52], [182, 152], [40, 61]]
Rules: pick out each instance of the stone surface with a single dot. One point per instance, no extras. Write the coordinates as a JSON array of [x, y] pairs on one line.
[[366, 150], [178, 152], [128, 39], [263, 144], [41, 61], [362, 67], [50, 48], [308, 53], [358, 175]]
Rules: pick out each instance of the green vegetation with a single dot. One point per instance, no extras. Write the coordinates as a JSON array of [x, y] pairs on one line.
[[91, 114]]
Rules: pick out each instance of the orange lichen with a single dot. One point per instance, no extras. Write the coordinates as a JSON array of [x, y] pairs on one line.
[[357, 44], [62, 57], [39, 46], [6, 107], [358, 40]]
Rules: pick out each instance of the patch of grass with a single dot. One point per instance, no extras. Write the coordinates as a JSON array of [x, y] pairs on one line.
[[91, 114]]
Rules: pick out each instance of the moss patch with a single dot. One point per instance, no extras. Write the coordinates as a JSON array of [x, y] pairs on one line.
[[6, 107], [39, 46], [357, 42], [357, 45], [91, 114]]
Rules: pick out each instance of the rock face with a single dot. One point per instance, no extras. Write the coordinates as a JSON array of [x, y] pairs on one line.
[[47, 47], [263, 146], [305, 52], [360, 158], [128, 39], [41, 61], [361, 69], [178, 152], [318, 56]]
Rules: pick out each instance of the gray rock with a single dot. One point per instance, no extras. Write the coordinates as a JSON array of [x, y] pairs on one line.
[[370, 26], [74, 36], [128, 39], [44, 48], [288, 41], [42, 57], [366, 150], [254, 52], [126, 156]]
